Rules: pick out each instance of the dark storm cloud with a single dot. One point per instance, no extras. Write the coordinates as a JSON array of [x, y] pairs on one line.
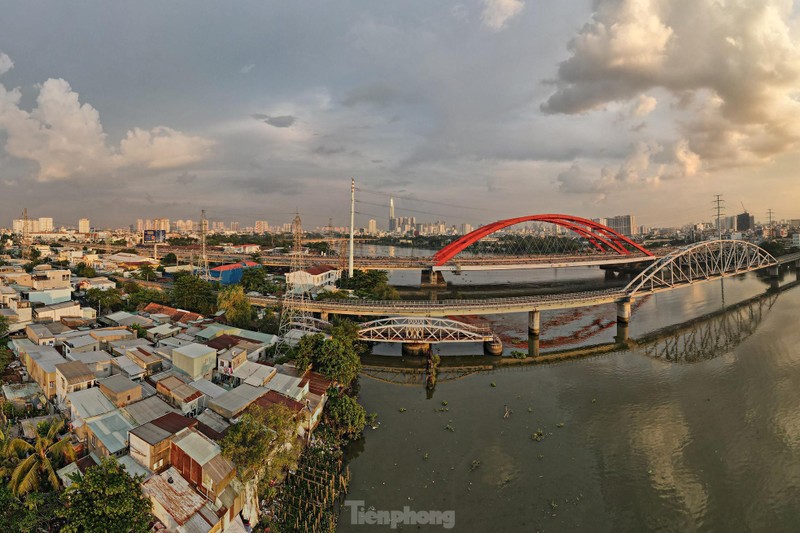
[[283, 121]]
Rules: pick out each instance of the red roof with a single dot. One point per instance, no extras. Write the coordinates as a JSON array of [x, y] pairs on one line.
[[176, 315], [223, 342], [317, 383], [173, 422], [272, 397], [236, 266], [318, 269]]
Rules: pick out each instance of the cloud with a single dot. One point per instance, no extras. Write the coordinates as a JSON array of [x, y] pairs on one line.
[[247, 68], [66, 138], [328, 150], [283, 121], [5, 63], [497, 13], [184, 178], [730, 68]]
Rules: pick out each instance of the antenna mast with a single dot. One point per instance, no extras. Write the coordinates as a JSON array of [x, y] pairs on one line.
[[352, 223], [203, 227], [293, 313]]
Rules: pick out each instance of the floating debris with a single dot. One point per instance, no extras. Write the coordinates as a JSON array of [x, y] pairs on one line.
[[444, 402], [449, 427], [402, 409], [425, 457], [538, 435], [594, 400], [493, 384], [560, 425], [474, 464], [530, 409], [540, 457]]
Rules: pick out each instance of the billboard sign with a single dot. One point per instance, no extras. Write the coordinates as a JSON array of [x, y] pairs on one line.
[[155, 235]]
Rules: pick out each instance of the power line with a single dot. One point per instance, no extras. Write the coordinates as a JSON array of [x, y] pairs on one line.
[[414, 199]]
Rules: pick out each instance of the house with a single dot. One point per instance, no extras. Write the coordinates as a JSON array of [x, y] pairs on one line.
[[99, 362], [72, 376], [120, 390], [174, 315], [324, 276], [212, 425], [162, 331], [200, 461], [49, 296], [178, 506], [121, 347], [125, 366], [206, 387], [40, 362], [150, 442], [108, 335], [80, 344], [235, 401], [84, 405], [24, 395], [148, 409], [39, 334], [100, 283], [55, 312], [232, 273], [195, 360], [301, 414], [229, 360], [252, 373], [107, 434], [290, 386], [146, 358], [123, 318]]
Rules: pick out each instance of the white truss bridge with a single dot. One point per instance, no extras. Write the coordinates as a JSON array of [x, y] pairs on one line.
[[405, 329]]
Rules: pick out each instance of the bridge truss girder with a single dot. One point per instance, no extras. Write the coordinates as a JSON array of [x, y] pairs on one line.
[[703, 261], [422, 330]]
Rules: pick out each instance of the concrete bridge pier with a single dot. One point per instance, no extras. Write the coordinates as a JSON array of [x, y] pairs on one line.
[[623, 320], [493, 347], [432, 279], [533, 346], [773, 271], [415, 349], [324, 316], [534, 320]]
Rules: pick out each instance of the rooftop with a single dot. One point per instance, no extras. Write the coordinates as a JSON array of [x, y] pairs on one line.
[[174, 494], [75, 372], [90, 402], [206, 387], [235, 266], [111, 429], [195, 350], [236, 400], [148, 409], [118, 383]]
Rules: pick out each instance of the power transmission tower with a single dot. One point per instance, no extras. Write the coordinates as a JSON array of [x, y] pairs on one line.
[[205, 274], [770, 235], [718, 202], [293, 313], [352, 223]]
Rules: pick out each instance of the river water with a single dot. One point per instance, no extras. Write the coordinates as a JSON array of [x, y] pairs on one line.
[[633, 440]]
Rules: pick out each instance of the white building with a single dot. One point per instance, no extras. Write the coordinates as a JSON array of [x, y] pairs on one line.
[[316, 276], [84, 226]]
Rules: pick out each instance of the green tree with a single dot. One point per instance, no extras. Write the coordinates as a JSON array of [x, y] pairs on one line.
[[85, 271], [108, 300], [169, 259], [146, 272], [37, 512], [106, 499], [4, 325], [258, 443], [372, 284], [238, 311], [194, 294], [335, 358], [256, 279], [41, 461], [346, 416]]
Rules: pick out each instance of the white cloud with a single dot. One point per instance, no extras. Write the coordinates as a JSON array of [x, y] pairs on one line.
[[247, 68], [5, 63], [731, 69], [66, 138], [497, 13]]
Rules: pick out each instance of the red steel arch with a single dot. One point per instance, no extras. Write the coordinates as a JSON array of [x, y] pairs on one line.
[[601, 237]]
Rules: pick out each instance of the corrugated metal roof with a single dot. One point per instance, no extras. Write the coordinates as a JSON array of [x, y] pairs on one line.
[[75, 372], [118, 383], [218, 468], [148, 409], [151, 434], [197, 446], [174, 422], [89, 402], [177, 498], [206, 387], [111, 429]]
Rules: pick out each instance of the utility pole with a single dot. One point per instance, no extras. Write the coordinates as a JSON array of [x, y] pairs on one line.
[[203, 225], [24, 243], [770, 235], [352, 224]]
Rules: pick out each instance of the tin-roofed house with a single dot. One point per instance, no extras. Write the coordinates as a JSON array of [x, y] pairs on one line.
[[72, 376]]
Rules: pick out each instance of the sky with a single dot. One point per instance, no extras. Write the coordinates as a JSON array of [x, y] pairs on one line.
[[463, 111]]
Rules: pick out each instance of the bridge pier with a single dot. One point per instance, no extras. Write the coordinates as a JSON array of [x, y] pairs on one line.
[[533, 346], [773, 271], [430, 278], [534, 319], [623, 320], [324, 316], [493, 347], [415, 349]]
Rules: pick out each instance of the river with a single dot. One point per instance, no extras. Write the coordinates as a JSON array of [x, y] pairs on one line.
[[631, 440]]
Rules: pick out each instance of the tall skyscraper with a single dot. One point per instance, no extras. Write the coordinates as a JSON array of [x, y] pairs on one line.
[[392, 220], [372, 227], [84, 226], [624, 224], [261, 226], [45, 225]]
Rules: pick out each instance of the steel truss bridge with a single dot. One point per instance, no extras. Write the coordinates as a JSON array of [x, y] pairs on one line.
[[423, 330], [696, 263]]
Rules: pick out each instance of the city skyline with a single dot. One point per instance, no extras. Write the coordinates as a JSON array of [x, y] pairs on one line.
[[476, 112]]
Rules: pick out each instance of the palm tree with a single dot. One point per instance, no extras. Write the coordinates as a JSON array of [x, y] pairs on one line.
[[28, 474]]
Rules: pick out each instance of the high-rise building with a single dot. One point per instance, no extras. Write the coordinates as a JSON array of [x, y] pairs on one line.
[[466, 228], [45, 225], [624, 224], [745, 222], [262, 226], [372, 227], [161, 224], [235, 226], [84, 226]]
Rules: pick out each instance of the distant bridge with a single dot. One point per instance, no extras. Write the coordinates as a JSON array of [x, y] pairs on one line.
[[422, 330]]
